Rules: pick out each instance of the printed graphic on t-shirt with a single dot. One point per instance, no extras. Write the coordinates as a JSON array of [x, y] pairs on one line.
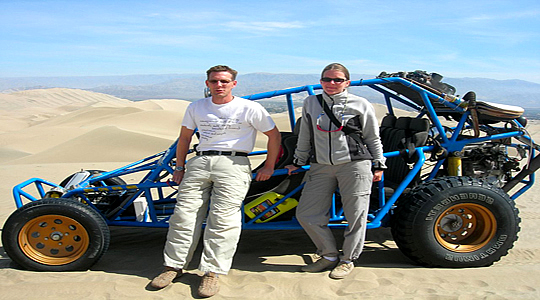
[[210, 128], [229, 127]]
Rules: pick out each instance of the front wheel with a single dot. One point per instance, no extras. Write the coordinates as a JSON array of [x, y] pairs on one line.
[[456, 222], [55, 234]]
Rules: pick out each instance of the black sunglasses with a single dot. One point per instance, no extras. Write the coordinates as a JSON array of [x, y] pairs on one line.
[[336, 80], [223, 81]]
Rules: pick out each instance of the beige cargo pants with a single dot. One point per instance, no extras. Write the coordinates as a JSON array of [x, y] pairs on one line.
[[354, 180], [213, 188]]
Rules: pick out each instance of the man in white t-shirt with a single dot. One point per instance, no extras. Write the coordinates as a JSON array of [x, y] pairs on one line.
[[214, 183]]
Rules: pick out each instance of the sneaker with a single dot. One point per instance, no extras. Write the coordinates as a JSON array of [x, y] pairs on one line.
[[209, 285], [166, 277], [320, 265], [342, 270]]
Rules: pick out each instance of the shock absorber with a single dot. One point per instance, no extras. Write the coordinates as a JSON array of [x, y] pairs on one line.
[[454, 164]]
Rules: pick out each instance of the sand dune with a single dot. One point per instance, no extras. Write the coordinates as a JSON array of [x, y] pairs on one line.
[[27, 108], [107, 143], [52, 133], [103, 126], [7, 154], [9, 123], [55, 97]]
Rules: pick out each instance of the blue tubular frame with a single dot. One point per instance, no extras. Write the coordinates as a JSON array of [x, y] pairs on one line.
[[160, 195]]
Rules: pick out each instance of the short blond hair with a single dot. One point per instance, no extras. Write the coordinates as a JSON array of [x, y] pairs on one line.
[[222, 68]]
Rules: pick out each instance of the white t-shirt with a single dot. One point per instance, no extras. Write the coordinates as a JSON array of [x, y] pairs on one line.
[[227, 127]]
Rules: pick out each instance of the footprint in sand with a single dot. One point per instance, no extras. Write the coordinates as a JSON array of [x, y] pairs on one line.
[[356, 287]]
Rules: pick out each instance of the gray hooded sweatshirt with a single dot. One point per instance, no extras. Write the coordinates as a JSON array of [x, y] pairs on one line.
[[334, 148]]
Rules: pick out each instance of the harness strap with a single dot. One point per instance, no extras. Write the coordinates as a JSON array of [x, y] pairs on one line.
[[348, 131]]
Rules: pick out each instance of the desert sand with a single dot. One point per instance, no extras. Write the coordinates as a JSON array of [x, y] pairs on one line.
[[52, 133]]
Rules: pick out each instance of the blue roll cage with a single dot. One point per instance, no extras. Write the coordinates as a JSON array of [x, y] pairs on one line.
[[160, 194]]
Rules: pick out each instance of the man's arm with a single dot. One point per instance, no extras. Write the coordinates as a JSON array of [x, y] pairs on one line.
[[274, 141], [182, 149]]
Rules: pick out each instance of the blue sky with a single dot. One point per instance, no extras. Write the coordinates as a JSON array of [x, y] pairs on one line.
[[492, 39]]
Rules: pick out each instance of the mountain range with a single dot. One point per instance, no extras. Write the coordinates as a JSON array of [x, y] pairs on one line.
[[190, 86]]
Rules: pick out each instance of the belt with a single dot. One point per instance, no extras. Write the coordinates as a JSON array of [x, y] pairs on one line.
[[226, 153]]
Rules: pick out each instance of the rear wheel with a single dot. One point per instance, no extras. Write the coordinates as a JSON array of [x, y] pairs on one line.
[[465, 227], [55, 234], [456, 222]]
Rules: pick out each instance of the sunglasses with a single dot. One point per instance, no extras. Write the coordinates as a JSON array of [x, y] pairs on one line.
[[324, 130], [213, 81], [336, 80]]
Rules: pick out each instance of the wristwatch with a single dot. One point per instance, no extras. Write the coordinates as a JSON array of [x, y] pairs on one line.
[[179, 168]]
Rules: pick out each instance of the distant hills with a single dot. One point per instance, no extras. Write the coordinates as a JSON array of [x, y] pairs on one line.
[[190, 86]]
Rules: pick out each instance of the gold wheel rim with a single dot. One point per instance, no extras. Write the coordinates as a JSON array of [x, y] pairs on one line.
[[465, 227], [53, 240]]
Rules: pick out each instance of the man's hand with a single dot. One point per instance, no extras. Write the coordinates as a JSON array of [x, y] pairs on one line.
[[264, 173], [274, 141], [178, 176]]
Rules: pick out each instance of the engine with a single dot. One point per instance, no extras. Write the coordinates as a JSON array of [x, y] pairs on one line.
[[492, 161]]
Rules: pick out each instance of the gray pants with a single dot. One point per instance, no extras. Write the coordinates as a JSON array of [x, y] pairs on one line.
[[213, 188], [354, 180]]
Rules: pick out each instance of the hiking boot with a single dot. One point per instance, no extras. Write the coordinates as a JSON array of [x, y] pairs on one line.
[[342, 270], [209, 285], [165, 278], [320, 265]]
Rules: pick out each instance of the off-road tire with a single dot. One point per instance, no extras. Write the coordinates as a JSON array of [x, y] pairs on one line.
[[55, 234], [456, 222]]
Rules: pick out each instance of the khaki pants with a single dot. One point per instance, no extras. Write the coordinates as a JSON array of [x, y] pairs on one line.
[[213, 188], [354, 180]]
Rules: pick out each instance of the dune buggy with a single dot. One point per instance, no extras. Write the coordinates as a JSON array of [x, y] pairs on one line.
[[455, 168]]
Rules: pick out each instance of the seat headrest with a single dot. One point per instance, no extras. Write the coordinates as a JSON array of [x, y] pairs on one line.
[[419, 125], [403, 122], [388, 121]]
